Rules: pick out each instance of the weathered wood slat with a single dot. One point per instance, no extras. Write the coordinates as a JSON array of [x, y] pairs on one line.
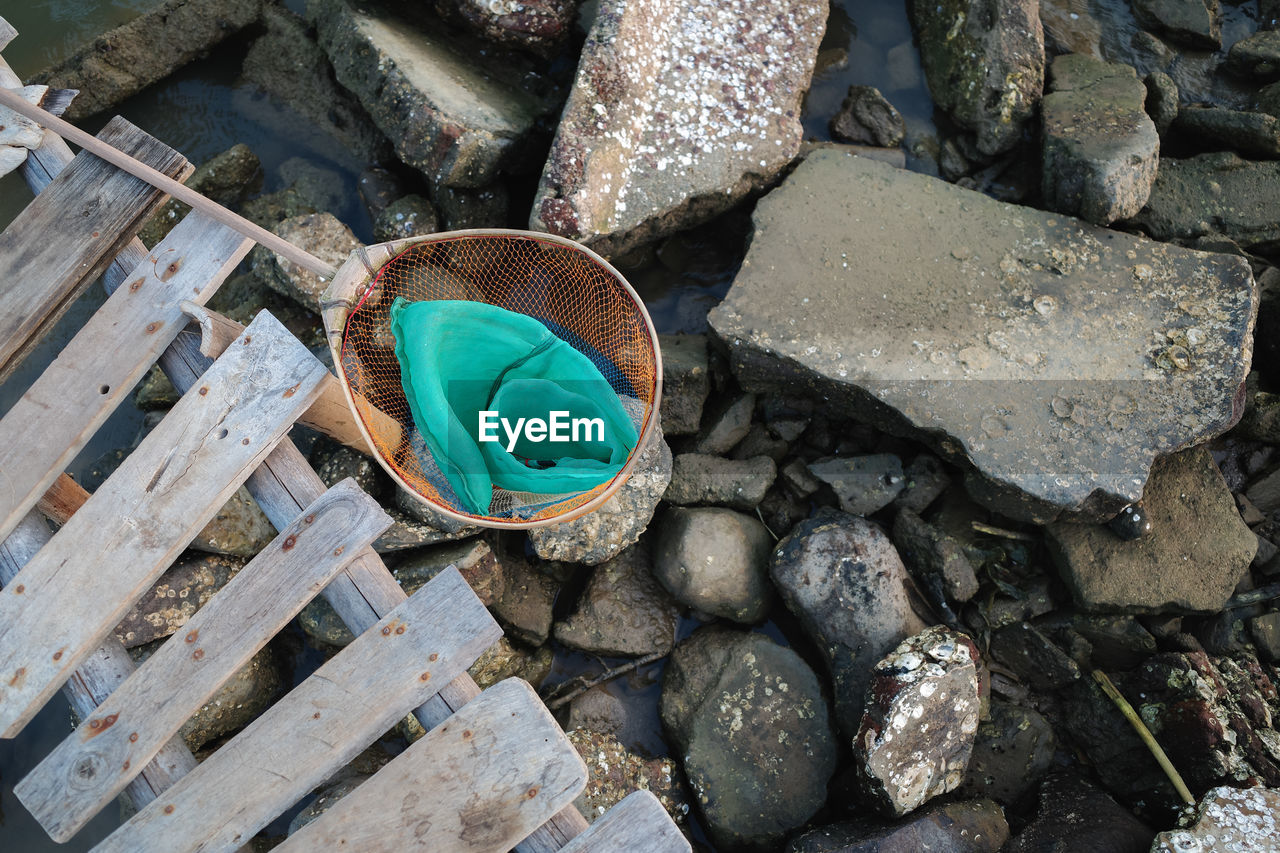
[[319, 726], [7, 33], [94, 764], [65, 238], [477, 783], [638, 821], [62, 604], [99, 367]]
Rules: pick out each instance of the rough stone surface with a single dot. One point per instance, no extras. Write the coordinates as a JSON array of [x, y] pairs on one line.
[[185, 587], [1257, 56], [1215, 194], [473, 558], [227, 178], [867, 118], [1191, 562], [924, 480], [726, 425], [1162, 100], [460, 209], [623, 610], [322, 235], [1100, 147], [928, 551], [1252, 134], [863, 484], [537, 25], [842, 577], [454, 118], [1075, 815], [1228, 819], [602, 534], [748, 717], [699, 478], [505, 660], [335, 462], [686, 382], [152, 46], [1099, 351], [974, 826], [408, 532], [1012, 752], [715, 561], [613, 772], [917, 733], [324, 800], [407, 216], [1034, 658], [985, 64], [527, 599], [239, 529], [1193, 23], [680, 108]]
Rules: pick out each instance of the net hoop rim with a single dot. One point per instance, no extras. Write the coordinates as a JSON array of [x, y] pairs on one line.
[[338, 308]]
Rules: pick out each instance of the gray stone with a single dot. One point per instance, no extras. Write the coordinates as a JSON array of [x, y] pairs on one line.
[[613, 772], [1257, 56], [623, 610], [127, 59], [985, 64], [1218, 129], [603, 534], [1060, 319], [473, 559], [1162, 100], [699, 478], [407, 216], [415, 506], [239, 529], [759, 442], [917, 733], [1265, 631], [378, 187], [842, 577], [271, 209], [686, 382], [1075, 815], [715, 561], [748, 717], [867, 118], [448, 113], [924, 481], [155, 392], [1037, 661], [1012, 752], [1215, 194], [537, 25], [1192, 23], [798, 479], [408, 532], [460, 209], [527, 599], [1100, 147], [1192, 561], [335, 463], [928, 551], [322, 235], [657, 135], [727, 425], [325, 799], [227, 178], [863, 484], [974, 826], [1116, 641], [600, 711], [505, 660], [320, 186], [1228, 819], [184, 588]]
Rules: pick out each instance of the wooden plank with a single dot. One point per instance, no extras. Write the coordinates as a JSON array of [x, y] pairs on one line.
[[638, 822], [102, 672], [147, 511], [66, 237], [319, 726], [477, 783], [7, 33], [94, 764], [366, 590], [99, 367]]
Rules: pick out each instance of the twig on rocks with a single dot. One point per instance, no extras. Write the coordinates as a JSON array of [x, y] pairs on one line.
[[1145, 734], [607, 675], [760, 515], [1001, 531]]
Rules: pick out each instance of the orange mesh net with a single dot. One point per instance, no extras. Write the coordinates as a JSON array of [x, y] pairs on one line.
[[581, 300]]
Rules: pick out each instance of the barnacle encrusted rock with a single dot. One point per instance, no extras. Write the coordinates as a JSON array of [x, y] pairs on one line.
[[1058, 358], [680, 108], [1241, 821], [918, 729]]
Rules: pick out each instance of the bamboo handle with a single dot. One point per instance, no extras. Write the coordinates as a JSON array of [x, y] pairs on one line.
[[160, 181]]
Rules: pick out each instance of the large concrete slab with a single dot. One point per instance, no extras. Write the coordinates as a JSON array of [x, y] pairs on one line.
[[1059, 358]]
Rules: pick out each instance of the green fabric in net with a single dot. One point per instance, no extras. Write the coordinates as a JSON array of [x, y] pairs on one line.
[[459, 359]]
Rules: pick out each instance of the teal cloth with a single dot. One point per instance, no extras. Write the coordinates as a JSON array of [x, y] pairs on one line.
[[458, 358]]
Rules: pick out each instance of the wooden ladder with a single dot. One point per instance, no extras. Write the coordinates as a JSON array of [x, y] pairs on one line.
[[494, 771]]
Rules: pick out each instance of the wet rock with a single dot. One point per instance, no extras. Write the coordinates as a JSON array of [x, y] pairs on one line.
[[473, 558], [1117, 642], [1191, 23], [239, 529], [1033, 657], [727, 425], [1078, 399], [1228, 819], [685, 382], [1215, 194], [613, 772], [1218, 128], [286, 62], [1012, 752], [407, 216], [335, 462], [759, 442], [184, 588], [527, 599], [505, 660], [1100, 147], [867, 118], [798, 479], [928, 551], [378, 187], [657, 135], [322, 235], [408, 531], [325, 799], [863, 484], [537, 25], [916, 735], [448, 115], [1256, 57], [1190, 563], [623, 610], [1132, 522], [601, 711], [1075, 815], [460, 209], [1162, 100], [842, 577], [271, 209], [924, 481], [320, 186], [985, 64], [976, 826], [227, 178], [715, 561], [602, 534], [155, 392], [127, 59], [320, 622], [1265, 631], [749, 719], [699, 478]]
